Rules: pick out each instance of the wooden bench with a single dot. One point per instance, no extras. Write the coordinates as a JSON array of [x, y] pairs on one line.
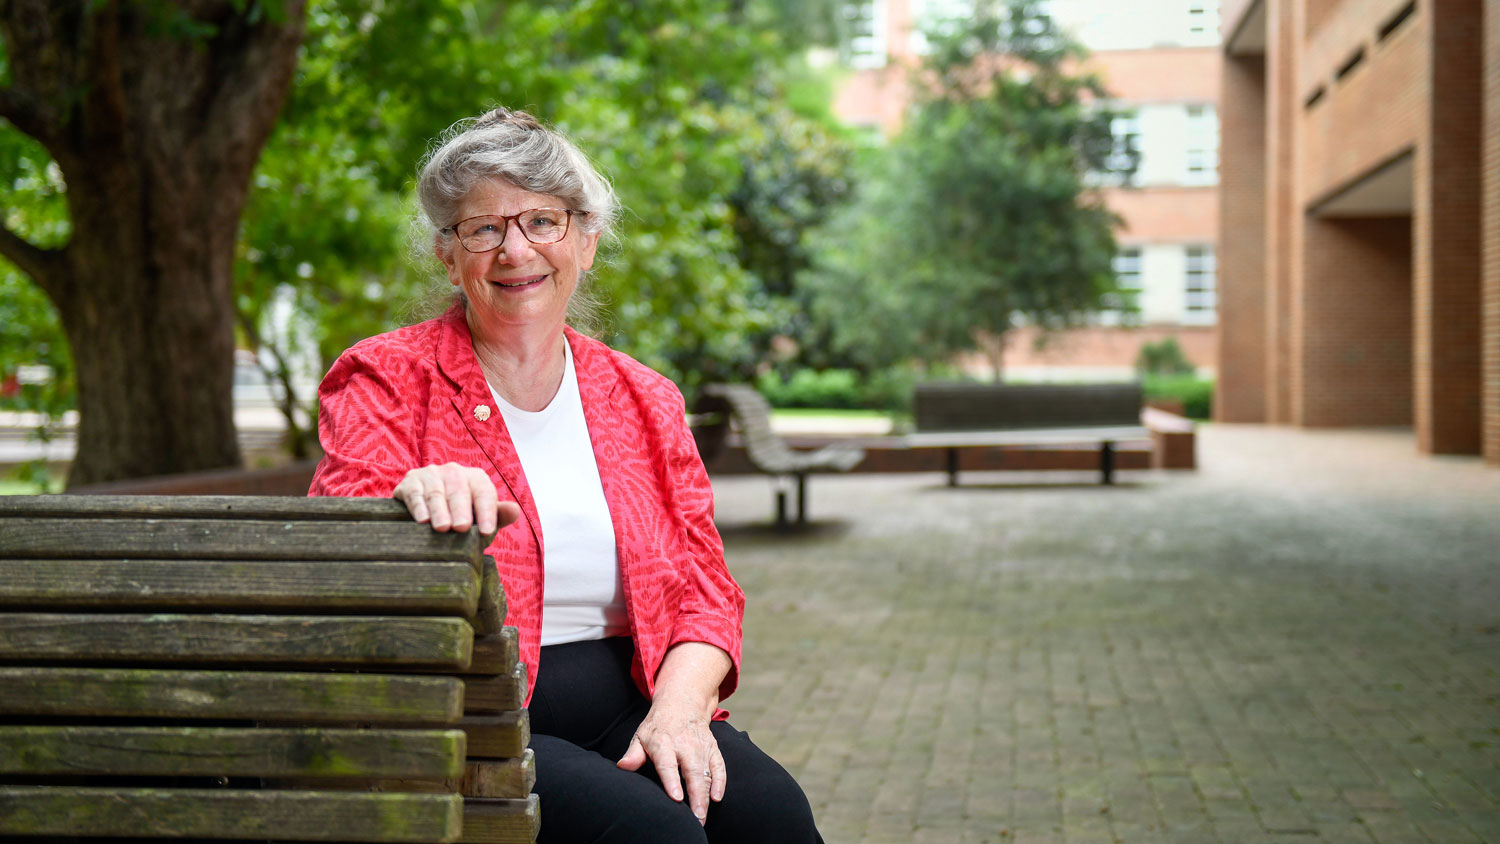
[[224, 667], [766, 450], [958, 415]]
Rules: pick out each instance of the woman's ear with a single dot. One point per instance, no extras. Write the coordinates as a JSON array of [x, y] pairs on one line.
[[444, 254]]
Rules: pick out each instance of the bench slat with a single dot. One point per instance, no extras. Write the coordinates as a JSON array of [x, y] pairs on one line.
[[233, 539], [258, 695], [510, 778], [489, 694], [413, 642], [501, 821], [490, 615], [497, 653], [223, 813], [272, 507], [502, 736], [439, 588], [32, 750]]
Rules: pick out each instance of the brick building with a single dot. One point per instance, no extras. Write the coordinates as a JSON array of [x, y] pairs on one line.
[[1160, 61], [1360, 217]]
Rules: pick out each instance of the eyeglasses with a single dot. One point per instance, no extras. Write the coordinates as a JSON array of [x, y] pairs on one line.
[[538, 225]]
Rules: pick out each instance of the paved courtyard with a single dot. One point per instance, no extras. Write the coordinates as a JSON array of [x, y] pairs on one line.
[[1298, 642]]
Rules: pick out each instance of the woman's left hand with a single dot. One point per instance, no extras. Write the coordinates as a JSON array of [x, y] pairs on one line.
[[675, 734], [676, 739]]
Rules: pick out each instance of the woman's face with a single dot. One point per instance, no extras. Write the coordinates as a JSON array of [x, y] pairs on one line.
[[520, 283]]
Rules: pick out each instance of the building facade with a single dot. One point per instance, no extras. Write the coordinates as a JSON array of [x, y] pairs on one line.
[[1360, 217], [1160, 61]]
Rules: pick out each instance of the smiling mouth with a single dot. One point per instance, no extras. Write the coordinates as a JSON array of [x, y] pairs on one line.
[[520, 282]]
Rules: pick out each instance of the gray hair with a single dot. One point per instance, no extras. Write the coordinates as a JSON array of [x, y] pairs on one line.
[[515, 147]]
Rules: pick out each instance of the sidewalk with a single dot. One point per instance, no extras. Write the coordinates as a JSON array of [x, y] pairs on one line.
[[1299, 642]]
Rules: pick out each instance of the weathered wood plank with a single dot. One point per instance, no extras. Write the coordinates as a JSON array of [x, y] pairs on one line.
[[493, 694], [497, 653], [489, 821], [442, 644], [503, 736], [204, 507], [512, 778], [431, 588], [234, 539], [32, 750], [490, 615], [259, 695], [224, 813]]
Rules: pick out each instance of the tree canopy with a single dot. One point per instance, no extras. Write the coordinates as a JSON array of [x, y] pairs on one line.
[[681, 102], [981, 214]]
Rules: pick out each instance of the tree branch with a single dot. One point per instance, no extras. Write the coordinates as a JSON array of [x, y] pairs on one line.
[[41, 264]]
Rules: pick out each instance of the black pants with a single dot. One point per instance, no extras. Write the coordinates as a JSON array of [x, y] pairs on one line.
[[584, 711]]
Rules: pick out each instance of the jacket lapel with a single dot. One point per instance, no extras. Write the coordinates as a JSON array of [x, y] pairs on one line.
[[456, 360]]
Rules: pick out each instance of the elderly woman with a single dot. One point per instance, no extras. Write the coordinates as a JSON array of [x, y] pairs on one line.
[[498, 412]]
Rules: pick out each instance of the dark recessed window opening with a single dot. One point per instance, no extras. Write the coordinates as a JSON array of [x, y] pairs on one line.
[[1396, 20], [1354, 60], [1312, 100]]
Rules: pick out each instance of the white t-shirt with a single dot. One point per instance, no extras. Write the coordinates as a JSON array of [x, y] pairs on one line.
[[582, 597]]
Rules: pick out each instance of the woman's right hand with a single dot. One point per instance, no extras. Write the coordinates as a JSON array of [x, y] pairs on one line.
[[454, 497]]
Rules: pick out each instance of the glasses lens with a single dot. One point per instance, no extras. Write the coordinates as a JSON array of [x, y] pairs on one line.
[[481, 234], [544, 225]]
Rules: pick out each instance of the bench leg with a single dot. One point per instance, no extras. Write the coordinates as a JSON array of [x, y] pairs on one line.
[[952, 467], [781, 521], [1107, 462], [801, 499]]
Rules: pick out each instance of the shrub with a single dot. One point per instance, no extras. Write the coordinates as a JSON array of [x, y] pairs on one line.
[[839, 388], [1164, 357], [1196, 394]]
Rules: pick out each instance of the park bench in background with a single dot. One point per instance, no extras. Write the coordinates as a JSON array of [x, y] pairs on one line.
[[959, 415], [220, 667], [766, 450]]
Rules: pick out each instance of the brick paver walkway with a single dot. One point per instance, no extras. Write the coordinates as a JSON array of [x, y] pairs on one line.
[[1299, 642]]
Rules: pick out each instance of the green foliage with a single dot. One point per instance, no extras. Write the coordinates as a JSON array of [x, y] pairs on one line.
[[719, 177], [32, 196], [1164, 357], [721, 148], [1196, 395], [887, 389], [980, 216]]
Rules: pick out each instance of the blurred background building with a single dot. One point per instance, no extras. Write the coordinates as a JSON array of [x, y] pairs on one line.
[[1160, 60], [1360, 217]]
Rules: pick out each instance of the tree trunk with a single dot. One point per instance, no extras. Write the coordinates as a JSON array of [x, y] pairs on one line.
[[156, 114]]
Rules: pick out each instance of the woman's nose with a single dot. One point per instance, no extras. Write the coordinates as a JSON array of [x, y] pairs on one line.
[[515, 248]]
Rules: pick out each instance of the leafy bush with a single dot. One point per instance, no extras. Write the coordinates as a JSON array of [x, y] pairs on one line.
[[839, 388], [1164, 357], [1195, 394]]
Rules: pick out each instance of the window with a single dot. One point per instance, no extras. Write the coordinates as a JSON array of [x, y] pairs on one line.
[[1120, 307], [865, 22], [1122, 164], [1201, 301], [1201, 158], [939, 15]]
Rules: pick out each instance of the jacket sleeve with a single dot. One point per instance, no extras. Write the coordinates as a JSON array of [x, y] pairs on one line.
[[366, 424], [713, 605]]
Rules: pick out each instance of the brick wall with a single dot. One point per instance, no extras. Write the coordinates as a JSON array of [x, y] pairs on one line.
[[1490, 189], [1241, 387], [1356, 305], [1282, 208], [1168, 74], [1385, 97], [1446, 265], [1166, 214]]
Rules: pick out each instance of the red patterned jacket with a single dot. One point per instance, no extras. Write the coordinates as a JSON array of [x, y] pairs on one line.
[[406, 399]]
